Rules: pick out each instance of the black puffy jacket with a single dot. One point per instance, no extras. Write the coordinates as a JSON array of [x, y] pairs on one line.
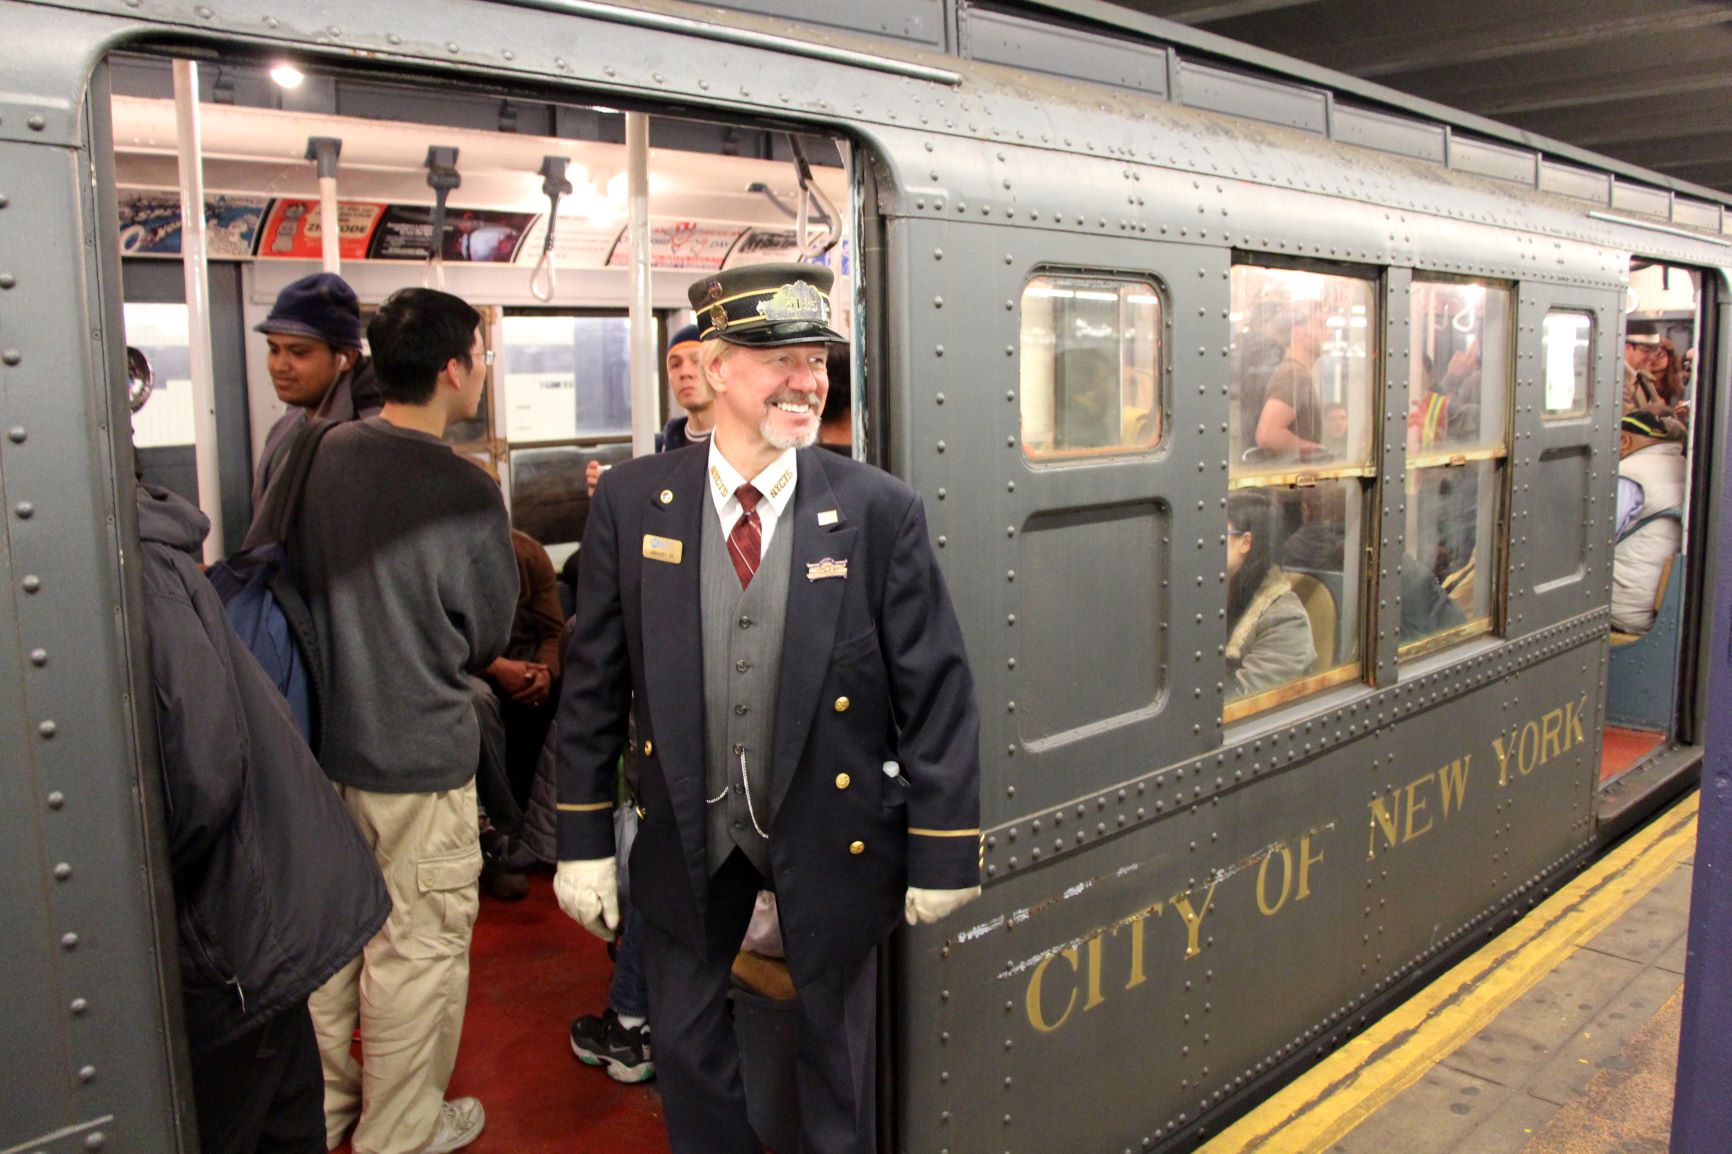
[[275, 890]]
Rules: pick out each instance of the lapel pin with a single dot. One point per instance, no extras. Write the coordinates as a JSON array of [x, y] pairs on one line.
[[828, 567], [828, 517], [667, 496]]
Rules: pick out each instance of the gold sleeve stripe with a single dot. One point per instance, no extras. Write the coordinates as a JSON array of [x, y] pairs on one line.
[[943, 832], [593, 807]]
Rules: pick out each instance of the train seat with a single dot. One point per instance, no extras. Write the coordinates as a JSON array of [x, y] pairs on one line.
[[1641, 678], [1320, 601]]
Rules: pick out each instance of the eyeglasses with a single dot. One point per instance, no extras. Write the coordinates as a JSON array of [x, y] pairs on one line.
[[487, 358]]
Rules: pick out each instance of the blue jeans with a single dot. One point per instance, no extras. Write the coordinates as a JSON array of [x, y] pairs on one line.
[[628, 995]]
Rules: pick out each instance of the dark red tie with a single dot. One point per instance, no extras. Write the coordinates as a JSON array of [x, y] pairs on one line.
[[746, 538]]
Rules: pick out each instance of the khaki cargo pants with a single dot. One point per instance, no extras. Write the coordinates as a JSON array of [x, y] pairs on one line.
[[408, 988]]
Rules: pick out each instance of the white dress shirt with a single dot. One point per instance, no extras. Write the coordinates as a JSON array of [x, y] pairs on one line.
[[775, 486]]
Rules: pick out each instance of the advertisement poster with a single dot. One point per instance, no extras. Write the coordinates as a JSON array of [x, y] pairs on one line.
[[682, 244], [150, 223], [293, 230], [474, 235], [577, 243], [764, 245]]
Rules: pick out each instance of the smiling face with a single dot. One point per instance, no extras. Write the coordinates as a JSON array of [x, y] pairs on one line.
[[303, 369], [770, 398]]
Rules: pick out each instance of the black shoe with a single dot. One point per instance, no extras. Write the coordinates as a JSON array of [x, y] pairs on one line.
[[602, 1041], [497, 876]]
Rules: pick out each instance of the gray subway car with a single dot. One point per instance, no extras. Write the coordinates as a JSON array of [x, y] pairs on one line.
[[1267, 432]]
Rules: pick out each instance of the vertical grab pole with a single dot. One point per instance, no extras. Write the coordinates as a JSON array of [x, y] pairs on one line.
[[194, 264], [324, 150], [645, 374]]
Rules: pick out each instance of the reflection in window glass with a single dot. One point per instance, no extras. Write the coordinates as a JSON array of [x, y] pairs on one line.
[[1449, 575], [160, 332], [1091, 365], [549, 495], [1566, 345], [566, 377], [1302, 368], [1294, 559], [1459, 383]]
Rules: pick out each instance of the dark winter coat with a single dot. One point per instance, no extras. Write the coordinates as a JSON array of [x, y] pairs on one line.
[[275, 890]]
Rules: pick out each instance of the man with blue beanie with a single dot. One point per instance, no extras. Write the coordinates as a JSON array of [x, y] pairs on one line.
[[691, 392], [315, 362]]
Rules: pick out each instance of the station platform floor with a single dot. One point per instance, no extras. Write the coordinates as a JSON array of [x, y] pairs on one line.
[[1560, 1036]]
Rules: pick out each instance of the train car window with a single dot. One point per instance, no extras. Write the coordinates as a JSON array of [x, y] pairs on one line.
[[160, 332], [1301, 371], [1300, 423], [1091, 366], [566, 377], [1567, 341], [1457, 434]]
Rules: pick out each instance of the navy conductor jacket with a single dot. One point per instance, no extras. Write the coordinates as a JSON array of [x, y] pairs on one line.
[[873, 671]]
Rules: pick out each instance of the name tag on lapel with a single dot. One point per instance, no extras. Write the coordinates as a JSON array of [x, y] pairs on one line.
[[828, 567], [662, 548]]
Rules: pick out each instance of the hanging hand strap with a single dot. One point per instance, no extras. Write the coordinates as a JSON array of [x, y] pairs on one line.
[[554, 184], [442, 177]]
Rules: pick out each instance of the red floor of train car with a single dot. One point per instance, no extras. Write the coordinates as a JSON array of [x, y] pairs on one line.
[[1624, 749], [532, 970]]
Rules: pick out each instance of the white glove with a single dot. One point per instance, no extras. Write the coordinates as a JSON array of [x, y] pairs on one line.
[[930, 905], [588, 891]]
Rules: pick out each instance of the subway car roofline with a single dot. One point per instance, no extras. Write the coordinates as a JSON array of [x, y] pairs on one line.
[[680, 25], [1653, 226], [1144, 27]]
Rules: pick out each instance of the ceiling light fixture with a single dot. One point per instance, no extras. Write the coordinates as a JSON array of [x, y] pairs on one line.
[[287, 76]]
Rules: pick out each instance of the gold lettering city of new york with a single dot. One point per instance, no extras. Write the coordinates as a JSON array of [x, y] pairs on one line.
[[1077, 977]]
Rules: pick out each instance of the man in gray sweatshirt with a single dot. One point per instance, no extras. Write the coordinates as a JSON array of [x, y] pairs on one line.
[[403, 552]]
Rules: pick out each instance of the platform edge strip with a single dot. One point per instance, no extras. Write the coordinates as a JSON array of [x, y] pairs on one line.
[[1325, 1104]]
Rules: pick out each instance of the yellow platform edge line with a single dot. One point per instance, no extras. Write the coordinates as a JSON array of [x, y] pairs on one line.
[[1323, 1105]]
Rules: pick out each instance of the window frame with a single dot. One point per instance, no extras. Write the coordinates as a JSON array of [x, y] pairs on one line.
[[1585, 394], [1494, 623], [1371, 480], [1163, 365]]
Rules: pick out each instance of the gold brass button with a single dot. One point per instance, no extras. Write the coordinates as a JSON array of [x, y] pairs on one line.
[[843, 781], [842, 705], [667, 496], [649, 747], [857, 847]]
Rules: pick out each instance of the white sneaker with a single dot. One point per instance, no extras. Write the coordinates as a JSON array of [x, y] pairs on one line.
[[460, 1123]]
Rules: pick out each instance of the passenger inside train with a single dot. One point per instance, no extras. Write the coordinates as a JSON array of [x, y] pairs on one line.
[[1646, 690], [1268, 632]]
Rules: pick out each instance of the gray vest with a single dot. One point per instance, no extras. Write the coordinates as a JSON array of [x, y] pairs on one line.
[[742, 670]]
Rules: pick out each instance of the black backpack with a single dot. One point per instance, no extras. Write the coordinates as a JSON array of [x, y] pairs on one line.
[[259, 592]]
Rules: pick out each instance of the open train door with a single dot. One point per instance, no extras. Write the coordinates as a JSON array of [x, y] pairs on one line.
[[1654, 708]]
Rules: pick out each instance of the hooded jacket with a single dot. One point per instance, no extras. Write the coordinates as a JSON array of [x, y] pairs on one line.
[[275, 890], [352, 396]]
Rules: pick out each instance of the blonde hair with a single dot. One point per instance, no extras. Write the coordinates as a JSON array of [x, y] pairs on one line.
[[710, 352]]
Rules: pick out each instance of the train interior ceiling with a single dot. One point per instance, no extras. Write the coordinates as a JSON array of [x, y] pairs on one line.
[[559, 393]]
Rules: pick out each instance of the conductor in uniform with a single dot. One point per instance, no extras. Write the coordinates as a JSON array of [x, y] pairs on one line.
[[775, 617]]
